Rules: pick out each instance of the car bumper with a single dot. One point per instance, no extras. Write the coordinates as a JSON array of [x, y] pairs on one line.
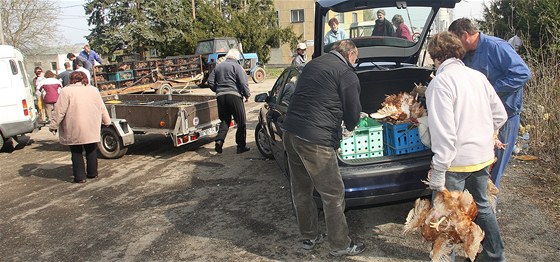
[[385, 182], [17, 128]]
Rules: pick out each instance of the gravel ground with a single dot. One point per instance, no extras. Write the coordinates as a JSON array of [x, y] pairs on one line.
[[160, 203]]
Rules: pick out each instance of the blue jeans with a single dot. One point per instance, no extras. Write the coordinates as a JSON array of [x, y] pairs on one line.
[[477, 184], [508, 135]]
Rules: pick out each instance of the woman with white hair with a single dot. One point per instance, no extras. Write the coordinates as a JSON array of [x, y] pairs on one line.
[[229, 81]]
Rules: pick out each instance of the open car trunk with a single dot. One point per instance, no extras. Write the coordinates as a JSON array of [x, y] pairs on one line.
[[385, 142]]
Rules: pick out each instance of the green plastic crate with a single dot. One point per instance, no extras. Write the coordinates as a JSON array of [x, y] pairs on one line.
[[367, 141]]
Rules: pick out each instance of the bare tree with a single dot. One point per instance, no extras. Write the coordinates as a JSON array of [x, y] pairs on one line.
[[28, 24]]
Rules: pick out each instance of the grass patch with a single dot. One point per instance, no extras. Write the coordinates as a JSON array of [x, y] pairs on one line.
[[274, 72]]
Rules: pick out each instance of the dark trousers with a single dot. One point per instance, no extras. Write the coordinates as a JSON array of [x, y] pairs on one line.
[[78, 166], [315, 166], [232, 106]]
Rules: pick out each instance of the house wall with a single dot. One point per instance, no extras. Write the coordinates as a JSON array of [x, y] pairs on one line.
[[283, 56]]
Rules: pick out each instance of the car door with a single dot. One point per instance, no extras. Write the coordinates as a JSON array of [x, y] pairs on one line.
[[277, 114]]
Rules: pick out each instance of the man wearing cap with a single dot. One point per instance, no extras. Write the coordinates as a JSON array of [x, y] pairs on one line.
[[300, 59]]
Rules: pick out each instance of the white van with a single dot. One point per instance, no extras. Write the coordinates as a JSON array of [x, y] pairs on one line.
[[17, 108]]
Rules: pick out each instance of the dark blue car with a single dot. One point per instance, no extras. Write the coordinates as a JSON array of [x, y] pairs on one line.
[[387, 65]]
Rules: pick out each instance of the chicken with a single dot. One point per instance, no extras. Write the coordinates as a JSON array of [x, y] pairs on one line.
[[449, 224], [402, 107]]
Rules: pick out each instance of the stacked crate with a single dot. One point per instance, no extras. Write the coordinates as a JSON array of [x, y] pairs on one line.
[[103, 77], [180, 67], [366, 141], [400, 139]]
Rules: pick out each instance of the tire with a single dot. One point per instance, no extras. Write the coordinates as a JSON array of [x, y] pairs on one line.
[[262, 142], [165, 89], [259, 75], [111, 145], [2, 140]]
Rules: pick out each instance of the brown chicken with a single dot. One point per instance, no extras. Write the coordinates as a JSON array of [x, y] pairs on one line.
[[402, 107], [449, 224]]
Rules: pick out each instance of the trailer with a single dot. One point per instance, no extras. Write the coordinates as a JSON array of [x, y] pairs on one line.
[[163, 76], [184, 118]]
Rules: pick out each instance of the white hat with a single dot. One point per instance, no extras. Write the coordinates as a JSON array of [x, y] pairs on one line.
[[301, 46]]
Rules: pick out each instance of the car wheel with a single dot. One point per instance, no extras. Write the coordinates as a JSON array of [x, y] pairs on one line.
[[263, 142], [111, 145]]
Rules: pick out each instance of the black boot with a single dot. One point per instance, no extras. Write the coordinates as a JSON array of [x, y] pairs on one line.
[[218, 146], [242, 149]]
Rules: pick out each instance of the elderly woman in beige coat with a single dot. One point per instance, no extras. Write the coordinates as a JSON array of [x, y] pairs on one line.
[[79, 113]]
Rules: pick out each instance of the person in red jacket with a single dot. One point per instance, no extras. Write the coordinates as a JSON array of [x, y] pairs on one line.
[[49, 88]]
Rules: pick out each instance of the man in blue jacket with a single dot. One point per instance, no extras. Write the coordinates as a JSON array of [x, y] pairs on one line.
[[507, 73], [90, 55], [327, 92]]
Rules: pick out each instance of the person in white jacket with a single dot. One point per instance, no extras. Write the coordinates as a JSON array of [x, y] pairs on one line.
[[464, 116]]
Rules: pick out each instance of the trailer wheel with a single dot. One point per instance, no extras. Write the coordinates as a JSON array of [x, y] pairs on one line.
[[258, 75], [1, 141], [111, 145], [165, 89]]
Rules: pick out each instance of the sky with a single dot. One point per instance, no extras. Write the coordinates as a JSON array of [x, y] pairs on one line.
[[72, 21]]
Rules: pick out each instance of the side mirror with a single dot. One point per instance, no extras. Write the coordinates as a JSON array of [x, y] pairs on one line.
[[261, 97]]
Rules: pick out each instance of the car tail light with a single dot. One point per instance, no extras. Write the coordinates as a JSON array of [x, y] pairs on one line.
[[185, 139], [25, 109]]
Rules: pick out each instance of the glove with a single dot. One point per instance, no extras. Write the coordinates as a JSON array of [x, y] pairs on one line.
[[347, 133], [436, 180]]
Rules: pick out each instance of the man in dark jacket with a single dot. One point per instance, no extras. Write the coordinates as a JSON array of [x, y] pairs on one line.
[[229, 81], [382, 26], [85, 63], [327, 92]]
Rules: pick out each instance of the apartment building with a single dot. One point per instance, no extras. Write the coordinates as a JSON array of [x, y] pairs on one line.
[[300, 15]]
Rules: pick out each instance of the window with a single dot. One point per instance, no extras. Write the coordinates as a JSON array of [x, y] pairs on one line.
[[297, 16], [25, 79], [289, 88], [13, 65], [53, 66], [354, 17], [340, 18]]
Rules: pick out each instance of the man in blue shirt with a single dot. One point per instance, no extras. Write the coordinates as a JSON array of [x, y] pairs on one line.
[[335, 34], [507, 73], [90, 55]]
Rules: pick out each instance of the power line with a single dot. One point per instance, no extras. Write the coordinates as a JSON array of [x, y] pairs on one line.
[[44, 8], [81, 29]]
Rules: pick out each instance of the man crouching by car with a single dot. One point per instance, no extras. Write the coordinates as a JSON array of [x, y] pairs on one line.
[[327, 92]]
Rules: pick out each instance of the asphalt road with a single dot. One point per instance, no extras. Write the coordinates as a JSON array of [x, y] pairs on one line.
[[160, 203]]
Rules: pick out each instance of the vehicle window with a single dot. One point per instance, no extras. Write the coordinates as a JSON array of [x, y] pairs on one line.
[[204, 47], [222, 46], [22, 70], [399, 27], [280, 82], [14, 67], [289, 88]]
